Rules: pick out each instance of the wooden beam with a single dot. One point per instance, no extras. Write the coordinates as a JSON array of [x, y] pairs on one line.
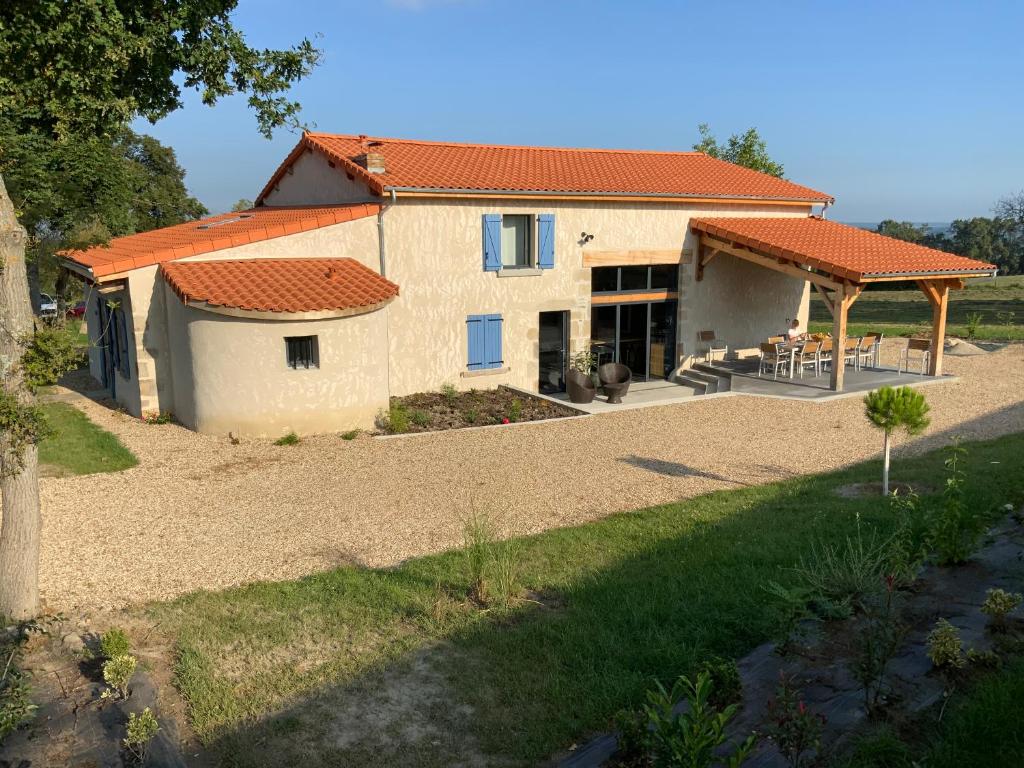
[[626, 258], [769, 262], [844, 298], [904, 278], [707, 253], [626, 298], [939, 307]]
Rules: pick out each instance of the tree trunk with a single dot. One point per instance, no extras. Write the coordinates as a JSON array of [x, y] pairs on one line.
[[885, 467], [21, 523]]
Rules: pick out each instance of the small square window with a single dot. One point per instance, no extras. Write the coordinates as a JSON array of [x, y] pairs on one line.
[[303, 352], [516, 241]]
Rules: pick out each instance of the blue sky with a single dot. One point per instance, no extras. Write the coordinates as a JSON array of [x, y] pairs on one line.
[[909, 110]]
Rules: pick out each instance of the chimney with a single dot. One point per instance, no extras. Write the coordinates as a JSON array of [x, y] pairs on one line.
[[374, 162]]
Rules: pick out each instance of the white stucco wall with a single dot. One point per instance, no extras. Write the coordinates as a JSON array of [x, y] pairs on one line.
[[233, 375], [312, 181], [434, 253]]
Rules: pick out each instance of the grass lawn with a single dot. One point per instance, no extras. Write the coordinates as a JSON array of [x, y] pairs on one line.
[[79, 447], [903, 313], [398, 666]]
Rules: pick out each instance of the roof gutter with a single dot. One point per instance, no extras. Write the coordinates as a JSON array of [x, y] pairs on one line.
[[554, 193], [380, 233]]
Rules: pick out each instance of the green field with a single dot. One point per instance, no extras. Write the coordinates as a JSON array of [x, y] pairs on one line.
[[380, 666], [79, 447], [1000, 302]]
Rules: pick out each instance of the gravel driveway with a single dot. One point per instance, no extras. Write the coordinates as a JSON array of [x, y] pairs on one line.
[[199, 512]]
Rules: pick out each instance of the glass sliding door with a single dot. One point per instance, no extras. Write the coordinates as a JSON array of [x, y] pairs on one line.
[[633, 338], [662, 344], [553, 351]]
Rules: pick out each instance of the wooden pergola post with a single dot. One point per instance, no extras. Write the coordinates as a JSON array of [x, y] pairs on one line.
[[937, 292], [840, 308]]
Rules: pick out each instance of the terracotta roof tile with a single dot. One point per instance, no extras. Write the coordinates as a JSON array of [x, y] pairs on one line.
[[279, 285], [227, 230], [479, 167], [840, 249]]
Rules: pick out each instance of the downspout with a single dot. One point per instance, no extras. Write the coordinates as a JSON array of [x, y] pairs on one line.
[[380, 233]]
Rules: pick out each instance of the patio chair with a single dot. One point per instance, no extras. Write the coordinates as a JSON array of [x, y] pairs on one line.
[[615, 379], [776, 339], [773, 356], [824, 353], [710, 345], [807, 355], [851, 347], [916, 350], [878, 347], [868, 352]]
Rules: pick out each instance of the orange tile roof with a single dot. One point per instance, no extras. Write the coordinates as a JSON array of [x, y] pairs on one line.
[[279, 285], [227, 230], [847, 252], [427, 165]]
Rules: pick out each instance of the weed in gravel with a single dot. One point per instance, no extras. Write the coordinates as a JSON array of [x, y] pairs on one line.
[[352, 434], [290, 439]]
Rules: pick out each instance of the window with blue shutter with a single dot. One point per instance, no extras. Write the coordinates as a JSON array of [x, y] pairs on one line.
[[483, 333], [492, 242], [546, 241]]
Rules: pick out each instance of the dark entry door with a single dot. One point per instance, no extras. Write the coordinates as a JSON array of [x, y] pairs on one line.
[[553, 352]]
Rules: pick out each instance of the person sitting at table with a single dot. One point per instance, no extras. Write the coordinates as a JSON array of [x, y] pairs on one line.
[[794, 333]]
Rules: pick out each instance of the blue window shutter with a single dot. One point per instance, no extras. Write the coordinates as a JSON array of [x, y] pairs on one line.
[[492, 242], [476, 332], [546, 240], [493, 351]]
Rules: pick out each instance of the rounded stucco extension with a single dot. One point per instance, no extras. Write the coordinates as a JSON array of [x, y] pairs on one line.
[[231, 373]]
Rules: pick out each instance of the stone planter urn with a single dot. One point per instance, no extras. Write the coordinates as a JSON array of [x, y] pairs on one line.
[[580, 387]]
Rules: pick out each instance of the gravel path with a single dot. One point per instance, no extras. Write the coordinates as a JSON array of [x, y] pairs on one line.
[[199, 512]]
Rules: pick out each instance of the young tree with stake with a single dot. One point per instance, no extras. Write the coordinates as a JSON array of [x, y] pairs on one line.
[[891, 409]]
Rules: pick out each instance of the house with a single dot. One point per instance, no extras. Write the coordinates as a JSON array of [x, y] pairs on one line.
[[376, 267]]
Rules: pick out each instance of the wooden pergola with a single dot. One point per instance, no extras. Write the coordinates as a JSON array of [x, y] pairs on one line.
[[840, 261]]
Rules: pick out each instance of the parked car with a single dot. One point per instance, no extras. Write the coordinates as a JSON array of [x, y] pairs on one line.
[[76, 311], [47, 306]]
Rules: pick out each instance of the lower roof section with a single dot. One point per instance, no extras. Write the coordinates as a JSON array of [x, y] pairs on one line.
[[285, 286], [194, 238], [845, 252]]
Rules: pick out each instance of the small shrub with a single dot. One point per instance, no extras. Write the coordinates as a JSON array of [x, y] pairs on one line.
[[876, 641], [954, 528], [998, 603], [158, 417], [794, 729], [352, 434], [843, 576], [16, 707], [792, 608], [117, 674], [114, 642], [634, 738], [450, 394], [945, 648], [141, 729], [584, 361], [420, 418], [692, 739], [290, 439], [470, 416], [1006, 318], [396, 420], [515, 409], [988, 659], [726, 686], [973, 323]]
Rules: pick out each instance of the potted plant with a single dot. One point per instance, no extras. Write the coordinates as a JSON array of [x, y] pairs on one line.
[[578, 380]]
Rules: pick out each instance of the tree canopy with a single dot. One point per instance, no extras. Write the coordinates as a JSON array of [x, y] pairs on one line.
[[997, 240], [747, 149]]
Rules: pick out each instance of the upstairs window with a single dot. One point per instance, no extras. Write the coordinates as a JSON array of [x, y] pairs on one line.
[[516, 241], [302, 352]]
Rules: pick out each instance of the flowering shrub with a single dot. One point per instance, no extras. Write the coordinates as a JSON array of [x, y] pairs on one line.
[[157, 417], [794, 729], [945, 648]]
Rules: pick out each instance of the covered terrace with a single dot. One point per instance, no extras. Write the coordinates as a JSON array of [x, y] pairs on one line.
[[840, 261]]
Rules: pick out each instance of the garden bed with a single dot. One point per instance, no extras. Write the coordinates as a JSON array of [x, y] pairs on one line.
[[452, 409]]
